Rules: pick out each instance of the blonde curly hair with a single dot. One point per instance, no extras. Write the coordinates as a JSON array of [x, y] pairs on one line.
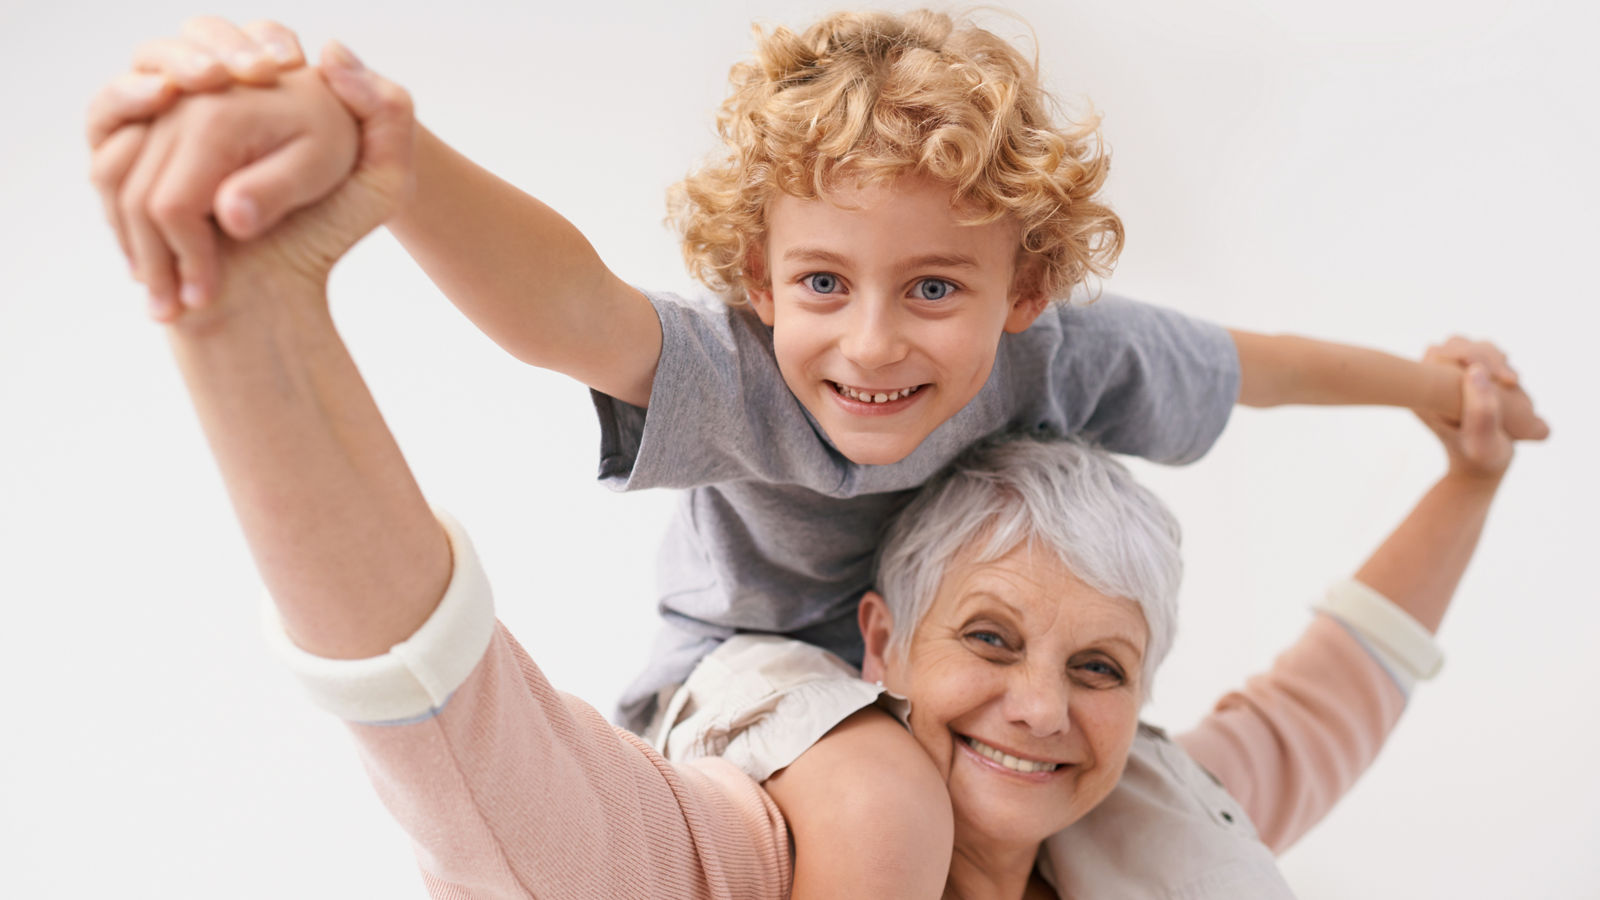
[[873, 96]]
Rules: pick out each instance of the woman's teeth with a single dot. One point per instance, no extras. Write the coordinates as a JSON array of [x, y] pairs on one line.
[[874, 396], [1007, 760]]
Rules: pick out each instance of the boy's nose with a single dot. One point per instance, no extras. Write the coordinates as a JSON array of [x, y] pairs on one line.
[[873, 338]]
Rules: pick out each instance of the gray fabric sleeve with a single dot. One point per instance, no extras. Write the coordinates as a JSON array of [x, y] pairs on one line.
[[695, 399], [1143, 380]]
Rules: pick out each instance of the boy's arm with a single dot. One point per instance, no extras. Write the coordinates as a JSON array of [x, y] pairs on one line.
[[1294, 740], [526, 276], [1282, 369], [519, 270]]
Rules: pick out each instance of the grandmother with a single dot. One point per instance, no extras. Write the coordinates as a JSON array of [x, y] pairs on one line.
[[1027, 599]]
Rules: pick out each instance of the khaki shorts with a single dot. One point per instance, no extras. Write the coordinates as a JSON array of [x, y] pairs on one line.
[[759, 701]]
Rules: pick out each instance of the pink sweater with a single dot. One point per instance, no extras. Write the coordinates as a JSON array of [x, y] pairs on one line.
[[510, 788]]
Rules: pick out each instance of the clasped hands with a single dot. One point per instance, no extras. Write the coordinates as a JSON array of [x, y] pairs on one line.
[[221, 157]]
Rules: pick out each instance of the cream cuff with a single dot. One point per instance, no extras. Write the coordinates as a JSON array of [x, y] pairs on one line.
[[1400, 642], [417, 676]]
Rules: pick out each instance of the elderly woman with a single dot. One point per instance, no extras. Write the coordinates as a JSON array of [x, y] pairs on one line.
[[1027, 599]]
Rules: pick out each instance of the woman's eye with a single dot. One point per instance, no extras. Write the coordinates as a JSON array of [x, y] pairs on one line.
[[934, 289], [1102, 670], [821, 282], [988, 637]]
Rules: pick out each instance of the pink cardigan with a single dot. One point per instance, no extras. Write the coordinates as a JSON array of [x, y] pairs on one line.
[[510, 788]]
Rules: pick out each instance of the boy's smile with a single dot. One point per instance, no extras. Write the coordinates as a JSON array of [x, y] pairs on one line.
[[886, 311]]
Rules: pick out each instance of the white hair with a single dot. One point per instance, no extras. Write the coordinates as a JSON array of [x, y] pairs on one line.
[[1063, 496]]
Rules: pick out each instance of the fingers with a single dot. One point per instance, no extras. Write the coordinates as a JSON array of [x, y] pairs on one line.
[[152, 262], [245, 60], [189, 66], [129, 97], [1482, 440], [388, 130], [252, 200], [1521, 422], [1466, 352], [108, 166], [279, 42]]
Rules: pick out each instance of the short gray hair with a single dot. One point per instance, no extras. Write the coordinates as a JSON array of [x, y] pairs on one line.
[[1065, 496]]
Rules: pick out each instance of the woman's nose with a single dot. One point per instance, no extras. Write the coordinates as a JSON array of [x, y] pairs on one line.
[[1039, 702], [874, 336]]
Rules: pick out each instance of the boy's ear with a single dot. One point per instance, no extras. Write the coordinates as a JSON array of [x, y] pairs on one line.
[[1028, 299], [877, 623], [760, 295]]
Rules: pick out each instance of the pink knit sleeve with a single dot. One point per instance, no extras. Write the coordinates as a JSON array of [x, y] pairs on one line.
[[1296, 738], [513, 789]]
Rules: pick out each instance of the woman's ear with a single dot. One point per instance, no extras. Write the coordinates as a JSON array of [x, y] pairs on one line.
[[877, 624], [758, 287]]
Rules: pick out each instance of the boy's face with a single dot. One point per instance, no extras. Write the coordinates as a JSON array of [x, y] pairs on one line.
[[886, 311]]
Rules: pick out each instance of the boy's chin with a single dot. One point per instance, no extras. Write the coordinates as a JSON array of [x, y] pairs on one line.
[[874, 450]]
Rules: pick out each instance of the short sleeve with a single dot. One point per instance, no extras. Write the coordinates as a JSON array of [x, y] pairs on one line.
[[712, 389], [1133, 378]]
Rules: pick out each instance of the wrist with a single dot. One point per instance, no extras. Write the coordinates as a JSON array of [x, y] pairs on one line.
[[1441, 391], [1464, 478]]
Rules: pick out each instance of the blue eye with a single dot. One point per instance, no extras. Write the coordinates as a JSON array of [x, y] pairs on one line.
[[934, 289], [1101, 669], [987, 637], [822, 282]]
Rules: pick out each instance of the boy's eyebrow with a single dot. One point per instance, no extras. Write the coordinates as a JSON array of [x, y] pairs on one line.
[[943, 260]]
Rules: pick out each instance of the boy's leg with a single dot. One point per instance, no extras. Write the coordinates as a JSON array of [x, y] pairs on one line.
[[869, 813]]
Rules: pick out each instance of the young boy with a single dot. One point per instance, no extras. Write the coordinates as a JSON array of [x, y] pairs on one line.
[[891, 221]]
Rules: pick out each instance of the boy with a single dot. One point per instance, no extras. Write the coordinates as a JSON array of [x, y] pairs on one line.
[[897, 211]]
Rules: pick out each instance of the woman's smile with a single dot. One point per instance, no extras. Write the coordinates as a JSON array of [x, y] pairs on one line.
[[989, 757]]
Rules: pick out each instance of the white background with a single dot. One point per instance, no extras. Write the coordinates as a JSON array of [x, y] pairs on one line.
[[1379, 171]]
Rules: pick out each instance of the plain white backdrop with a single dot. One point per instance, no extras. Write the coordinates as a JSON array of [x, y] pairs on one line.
[[1385, 172]]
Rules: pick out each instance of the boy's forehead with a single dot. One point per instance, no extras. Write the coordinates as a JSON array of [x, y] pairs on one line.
[[909, 209]]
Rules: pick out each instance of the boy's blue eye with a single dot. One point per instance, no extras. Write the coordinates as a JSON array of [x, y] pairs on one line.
[[822, 282], [934, 289]]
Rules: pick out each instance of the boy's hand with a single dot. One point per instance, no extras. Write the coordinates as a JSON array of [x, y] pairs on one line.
[[1516, 413]]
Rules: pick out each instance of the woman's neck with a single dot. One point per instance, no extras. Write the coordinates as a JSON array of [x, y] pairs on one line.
[[990, 873]]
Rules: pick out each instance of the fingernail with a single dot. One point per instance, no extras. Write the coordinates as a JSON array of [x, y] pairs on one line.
[[198, 64], [242, 213], [281, 51], [244, 59], [145, 86], [1479, 376], [190, 295], [345, 58], [158, 308]]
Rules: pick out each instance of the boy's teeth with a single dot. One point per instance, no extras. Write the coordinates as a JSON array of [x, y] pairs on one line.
[[1007, 760], [878, 397]]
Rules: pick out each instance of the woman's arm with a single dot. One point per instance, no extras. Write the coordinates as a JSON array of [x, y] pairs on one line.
[[343, 538], [1296, 738]]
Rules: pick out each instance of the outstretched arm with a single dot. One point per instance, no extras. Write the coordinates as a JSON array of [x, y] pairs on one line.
[[526, 276], [1276, 370], [343, 538], [1294, 740]]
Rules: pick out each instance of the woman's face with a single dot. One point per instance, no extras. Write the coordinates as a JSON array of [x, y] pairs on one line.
[[1024, 688]]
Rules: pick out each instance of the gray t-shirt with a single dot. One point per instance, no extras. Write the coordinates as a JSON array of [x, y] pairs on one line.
[[777, 530]]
